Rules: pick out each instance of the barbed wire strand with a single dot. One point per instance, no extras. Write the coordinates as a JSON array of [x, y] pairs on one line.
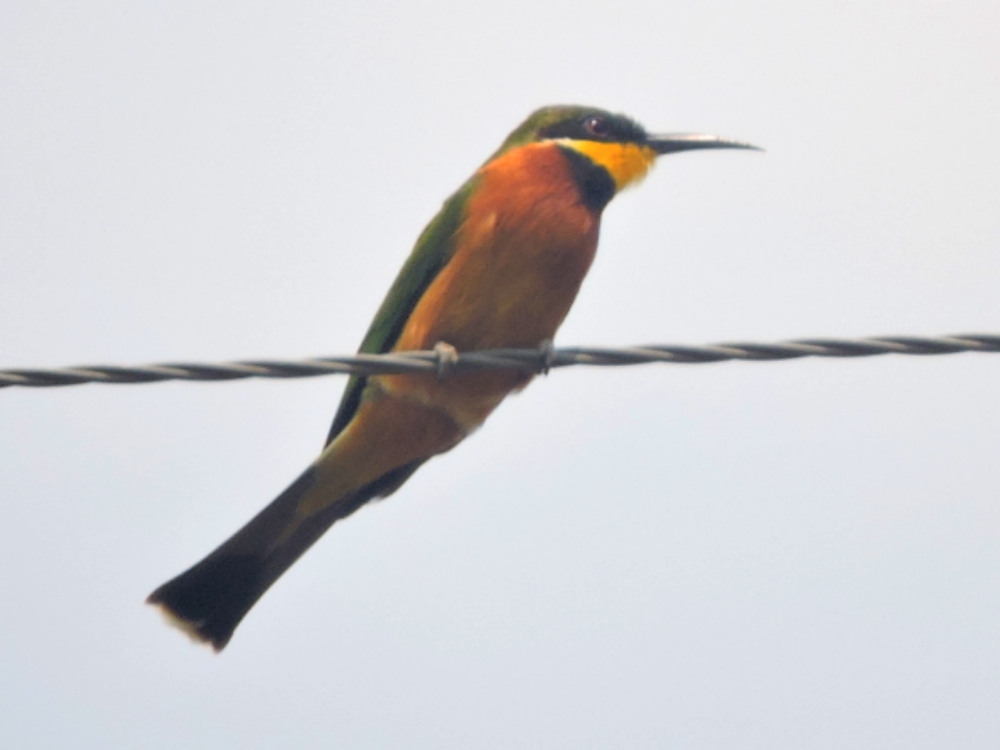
[[444, 360]]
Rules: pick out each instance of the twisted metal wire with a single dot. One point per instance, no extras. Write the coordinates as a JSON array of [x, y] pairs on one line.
[[444, 360]]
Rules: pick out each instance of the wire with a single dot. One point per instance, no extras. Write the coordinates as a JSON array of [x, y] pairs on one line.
[[444, 360]]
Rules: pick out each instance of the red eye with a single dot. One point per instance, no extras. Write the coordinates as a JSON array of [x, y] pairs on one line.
[[596, 126]]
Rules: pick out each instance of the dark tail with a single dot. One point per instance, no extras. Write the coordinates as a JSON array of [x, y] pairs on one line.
[[209, 600]]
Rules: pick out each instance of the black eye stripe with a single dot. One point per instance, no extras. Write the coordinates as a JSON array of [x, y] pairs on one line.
[[595, 126]]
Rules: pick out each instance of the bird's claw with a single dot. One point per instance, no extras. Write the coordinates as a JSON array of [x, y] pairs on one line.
[[546, 356], [447, 358]]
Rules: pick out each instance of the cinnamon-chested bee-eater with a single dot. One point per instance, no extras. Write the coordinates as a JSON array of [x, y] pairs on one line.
[[498, 267]]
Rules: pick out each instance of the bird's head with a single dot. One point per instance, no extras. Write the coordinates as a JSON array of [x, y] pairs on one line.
[[618, 144]]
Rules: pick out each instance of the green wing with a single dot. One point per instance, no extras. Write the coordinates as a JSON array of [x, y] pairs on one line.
[[432, 252]]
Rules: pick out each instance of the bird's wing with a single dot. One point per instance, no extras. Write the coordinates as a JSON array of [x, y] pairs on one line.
[[432, 252]]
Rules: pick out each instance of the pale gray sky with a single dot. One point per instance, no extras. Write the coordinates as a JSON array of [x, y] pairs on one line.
[[783, 555]]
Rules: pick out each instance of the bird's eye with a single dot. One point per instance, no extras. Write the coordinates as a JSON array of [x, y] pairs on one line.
[[597, 126]]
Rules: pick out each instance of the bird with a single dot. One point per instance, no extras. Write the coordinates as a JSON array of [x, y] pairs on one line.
[[498, 267]]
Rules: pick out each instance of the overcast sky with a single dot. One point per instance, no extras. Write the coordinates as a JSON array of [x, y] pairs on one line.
[[782, 555]]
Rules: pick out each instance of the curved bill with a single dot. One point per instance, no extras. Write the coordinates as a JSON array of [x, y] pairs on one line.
[[671, 143]]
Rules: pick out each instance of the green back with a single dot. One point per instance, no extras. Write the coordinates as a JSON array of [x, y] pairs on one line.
[[433, 250]]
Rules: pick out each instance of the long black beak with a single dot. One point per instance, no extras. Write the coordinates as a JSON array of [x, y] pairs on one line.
[[671, 143]]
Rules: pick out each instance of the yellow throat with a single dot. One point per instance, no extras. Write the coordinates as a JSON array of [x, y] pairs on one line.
[[627, 163]]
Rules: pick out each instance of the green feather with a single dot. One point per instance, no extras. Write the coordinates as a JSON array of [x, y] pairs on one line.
[[433, 250]]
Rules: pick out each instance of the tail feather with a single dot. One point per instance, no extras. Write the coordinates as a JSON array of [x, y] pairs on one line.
[[210, 599]]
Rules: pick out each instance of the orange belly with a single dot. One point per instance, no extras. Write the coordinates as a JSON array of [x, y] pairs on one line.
[[521, 254]]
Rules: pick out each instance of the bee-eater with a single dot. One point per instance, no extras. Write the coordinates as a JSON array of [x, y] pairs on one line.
[[498, 267]]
